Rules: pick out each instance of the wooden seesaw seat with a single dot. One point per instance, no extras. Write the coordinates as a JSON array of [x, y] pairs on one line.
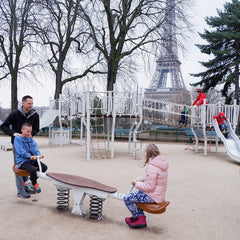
[[19, 171], [154, 208]]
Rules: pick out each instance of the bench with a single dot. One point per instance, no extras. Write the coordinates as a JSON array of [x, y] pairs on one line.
[[122, 132], [199, 133], [6, 145]]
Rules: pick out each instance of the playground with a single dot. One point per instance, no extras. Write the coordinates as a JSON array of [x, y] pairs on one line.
[[203, 192]]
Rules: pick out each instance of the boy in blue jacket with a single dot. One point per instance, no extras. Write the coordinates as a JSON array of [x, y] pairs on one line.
[[26, 155]]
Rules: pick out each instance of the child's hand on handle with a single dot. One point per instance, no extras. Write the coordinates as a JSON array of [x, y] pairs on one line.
[[35, 157], [138, 179]]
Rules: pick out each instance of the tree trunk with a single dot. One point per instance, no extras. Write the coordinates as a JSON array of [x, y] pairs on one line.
[[237, 72], [237, 83], [58, 89], [14, 95], [112, 74], [59, 86]]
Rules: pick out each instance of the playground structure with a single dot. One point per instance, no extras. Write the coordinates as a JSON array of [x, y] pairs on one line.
[[98, 112], [91, 108], [231, 141], [200, 119]]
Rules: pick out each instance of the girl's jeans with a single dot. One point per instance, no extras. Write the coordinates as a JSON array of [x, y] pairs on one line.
[[136, 197]]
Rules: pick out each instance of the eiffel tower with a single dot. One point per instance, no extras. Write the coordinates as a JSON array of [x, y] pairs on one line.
[[167, 82]]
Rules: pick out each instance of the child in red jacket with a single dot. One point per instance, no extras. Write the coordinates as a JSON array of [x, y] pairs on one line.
[[200, 98], [220, 119]]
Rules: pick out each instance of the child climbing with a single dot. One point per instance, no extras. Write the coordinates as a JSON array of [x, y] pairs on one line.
[[183, 120], [220, 119], [151, 189], [26, 155]]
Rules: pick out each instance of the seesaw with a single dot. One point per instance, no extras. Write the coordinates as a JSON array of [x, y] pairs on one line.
[[81, 186]]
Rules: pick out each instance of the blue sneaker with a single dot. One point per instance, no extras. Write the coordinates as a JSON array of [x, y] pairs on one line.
[[31, 187], [28, 187], [37, 188]]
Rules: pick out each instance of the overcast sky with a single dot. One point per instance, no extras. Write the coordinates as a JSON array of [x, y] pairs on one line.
[[189, 60]]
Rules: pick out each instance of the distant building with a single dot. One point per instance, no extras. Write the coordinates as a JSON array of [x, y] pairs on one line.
[[167, 83]]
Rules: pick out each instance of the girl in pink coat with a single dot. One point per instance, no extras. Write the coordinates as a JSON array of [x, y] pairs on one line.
[[151, 189]]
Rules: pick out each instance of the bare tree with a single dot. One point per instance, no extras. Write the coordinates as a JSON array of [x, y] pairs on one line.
[[60, 28], [15, 35], [123, 27]]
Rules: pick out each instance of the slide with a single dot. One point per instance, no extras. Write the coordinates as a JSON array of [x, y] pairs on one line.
[[231, 143], [48, 117]]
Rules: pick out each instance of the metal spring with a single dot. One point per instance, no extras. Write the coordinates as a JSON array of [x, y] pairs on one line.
[[63, 200], [95, 208]]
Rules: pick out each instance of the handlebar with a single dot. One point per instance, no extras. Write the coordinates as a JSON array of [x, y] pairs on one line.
[[39, 164], [131, 188]]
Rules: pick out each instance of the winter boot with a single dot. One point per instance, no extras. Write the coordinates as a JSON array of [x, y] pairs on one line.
[[139, 223], [130, 219]]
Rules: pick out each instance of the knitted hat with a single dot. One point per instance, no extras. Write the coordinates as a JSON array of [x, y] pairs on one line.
[[199, 90]]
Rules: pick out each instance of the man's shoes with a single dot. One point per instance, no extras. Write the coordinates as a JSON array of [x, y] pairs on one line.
[[23, 195], [139, 223]]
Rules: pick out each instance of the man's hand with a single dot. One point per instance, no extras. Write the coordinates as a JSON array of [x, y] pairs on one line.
[[17, 134]]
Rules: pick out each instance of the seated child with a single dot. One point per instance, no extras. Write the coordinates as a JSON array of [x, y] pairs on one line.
[[26, 155], [220, 119], [151, 189]]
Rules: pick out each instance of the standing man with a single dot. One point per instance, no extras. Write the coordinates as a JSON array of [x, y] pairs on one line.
[[12, 127]]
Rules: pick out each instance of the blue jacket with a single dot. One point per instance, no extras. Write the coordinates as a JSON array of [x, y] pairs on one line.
[[25, 147]]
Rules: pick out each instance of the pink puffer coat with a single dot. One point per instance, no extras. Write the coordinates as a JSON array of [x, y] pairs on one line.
[[155, 182]]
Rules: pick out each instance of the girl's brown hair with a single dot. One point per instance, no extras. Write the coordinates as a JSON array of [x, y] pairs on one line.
[[151, 152]]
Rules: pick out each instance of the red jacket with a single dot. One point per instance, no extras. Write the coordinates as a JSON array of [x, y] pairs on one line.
[[200, 98], [219, 119]]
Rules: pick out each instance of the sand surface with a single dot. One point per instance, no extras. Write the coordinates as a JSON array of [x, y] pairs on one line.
[[204, 193]]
